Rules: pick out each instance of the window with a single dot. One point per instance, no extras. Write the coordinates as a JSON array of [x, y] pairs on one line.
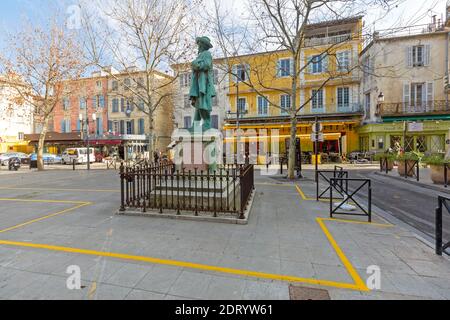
[[65, 126], [130, 127], [82, 103], [187, 122], [242, 105], [115, 85], [185, 79], [99, 84], [115, 105], [343, 61], [418, 52], [215, 121], [122, 105], [263, 106], [343, 97], [187, 101], [317, 99], [140, 82], [284, 68], [417, 94], [285, 102], [116, 127], [66, 103], [240, 72], [20, 136], [318, 64], [367, 105], [141, 105], [94, 102]]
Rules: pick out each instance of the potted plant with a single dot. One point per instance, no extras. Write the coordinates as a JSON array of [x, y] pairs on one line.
[[390, 159], [437, 165], [409, 160]]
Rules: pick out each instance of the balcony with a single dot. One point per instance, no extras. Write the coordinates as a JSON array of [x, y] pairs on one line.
[[402, 109], [353, 108], [311, 42]]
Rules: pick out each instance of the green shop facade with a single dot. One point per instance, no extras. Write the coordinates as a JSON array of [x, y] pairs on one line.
[[420, 134]]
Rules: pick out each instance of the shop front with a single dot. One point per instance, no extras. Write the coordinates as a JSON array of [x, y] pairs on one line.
[[428, 136], [339, 138]]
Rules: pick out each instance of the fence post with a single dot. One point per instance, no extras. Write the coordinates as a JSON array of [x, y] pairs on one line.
[[122, 188], [445, 175], [369, 205], [439, 227], [418, 171], [331, 198], [242, 182]]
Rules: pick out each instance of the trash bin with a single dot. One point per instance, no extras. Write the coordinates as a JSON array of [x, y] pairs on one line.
[[313, 159], [33, 164]]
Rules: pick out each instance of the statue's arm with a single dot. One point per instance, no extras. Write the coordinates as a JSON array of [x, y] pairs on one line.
[[203, 62]]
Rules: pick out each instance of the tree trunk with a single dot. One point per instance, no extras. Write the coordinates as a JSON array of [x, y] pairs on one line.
[[293, 138], [41, 144], [292, 147], [151, 139]]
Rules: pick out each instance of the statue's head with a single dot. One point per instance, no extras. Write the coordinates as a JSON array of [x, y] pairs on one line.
[[204, 43]]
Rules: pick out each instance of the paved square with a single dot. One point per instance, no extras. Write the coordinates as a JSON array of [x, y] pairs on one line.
[[289, 240]]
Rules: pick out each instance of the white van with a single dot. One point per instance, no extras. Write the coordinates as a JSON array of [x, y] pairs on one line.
[[79, 155]]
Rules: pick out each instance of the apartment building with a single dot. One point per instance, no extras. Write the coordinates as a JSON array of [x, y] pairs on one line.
[[328, 88], [16, 120], [404, 89]]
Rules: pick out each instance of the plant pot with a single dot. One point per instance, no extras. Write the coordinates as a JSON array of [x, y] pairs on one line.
[[410, 165], [437, 174]]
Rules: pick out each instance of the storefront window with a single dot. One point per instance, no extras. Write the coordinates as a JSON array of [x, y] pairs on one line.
[[396, 143]]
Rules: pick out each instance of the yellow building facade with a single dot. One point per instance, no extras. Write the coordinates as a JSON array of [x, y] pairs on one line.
[[327, 89]]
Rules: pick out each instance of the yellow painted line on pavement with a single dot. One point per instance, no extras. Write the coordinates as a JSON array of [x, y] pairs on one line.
[[61, 189], [304, 197], [42, 201], [351, 270], [381, 225], [189, 265], [45, 217]]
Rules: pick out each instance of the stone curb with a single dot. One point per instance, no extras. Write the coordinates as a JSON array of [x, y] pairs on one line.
[[173, 215], [414, 182]]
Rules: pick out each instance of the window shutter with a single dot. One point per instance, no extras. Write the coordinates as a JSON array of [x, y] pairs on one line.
[[234, 73], [247, 72], [406, 94], [122, 126], [68, 126], [109, 126], [430, 96], [310, 65], [63, 126], [409, 57], [100, 126], [132, 127], [427, 55]]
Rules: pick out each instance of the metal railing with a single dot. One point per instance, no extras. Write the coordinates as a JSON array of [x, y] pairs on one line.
[[411, 169], [384, 164], [350, 196], [442, 202], [327, 175], [160, 187], [446, 175], [404, 108]]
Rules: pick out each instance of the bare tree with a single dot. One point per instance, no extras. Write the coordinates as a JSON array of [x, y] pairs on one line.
[[279, 27], [142, 38], [41, 57]]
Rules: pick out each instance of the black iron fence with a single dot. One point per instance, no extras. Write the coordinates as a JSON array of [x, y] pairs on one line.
[[443, 202], [411, 169], [349, 197], [446, 175], [162, 188], [327, 175]]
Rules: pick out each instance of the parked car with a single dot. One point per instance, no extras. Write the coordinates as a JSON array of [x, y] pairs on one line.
[[4, 158], [79, 155], [48, 158]]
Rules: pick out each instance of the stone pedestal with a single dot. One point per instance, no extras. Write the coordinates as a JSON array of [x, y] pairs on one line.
[[201, 151]]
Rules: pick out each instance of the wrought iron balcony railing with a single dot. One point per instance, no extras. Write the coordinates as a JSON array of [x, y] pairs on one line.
[[405, 109]]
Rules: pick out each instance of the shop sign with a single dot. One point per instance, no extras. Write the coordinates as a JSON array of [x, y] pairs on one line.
[[415, 126]]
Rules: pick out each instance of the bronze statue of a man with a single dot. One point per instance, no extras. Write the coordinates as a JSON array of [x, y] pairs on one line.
[[202, 87]]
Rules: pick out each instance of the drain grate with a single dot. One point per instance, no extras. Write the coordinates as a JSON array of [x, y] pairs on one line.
[[303, 293]]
